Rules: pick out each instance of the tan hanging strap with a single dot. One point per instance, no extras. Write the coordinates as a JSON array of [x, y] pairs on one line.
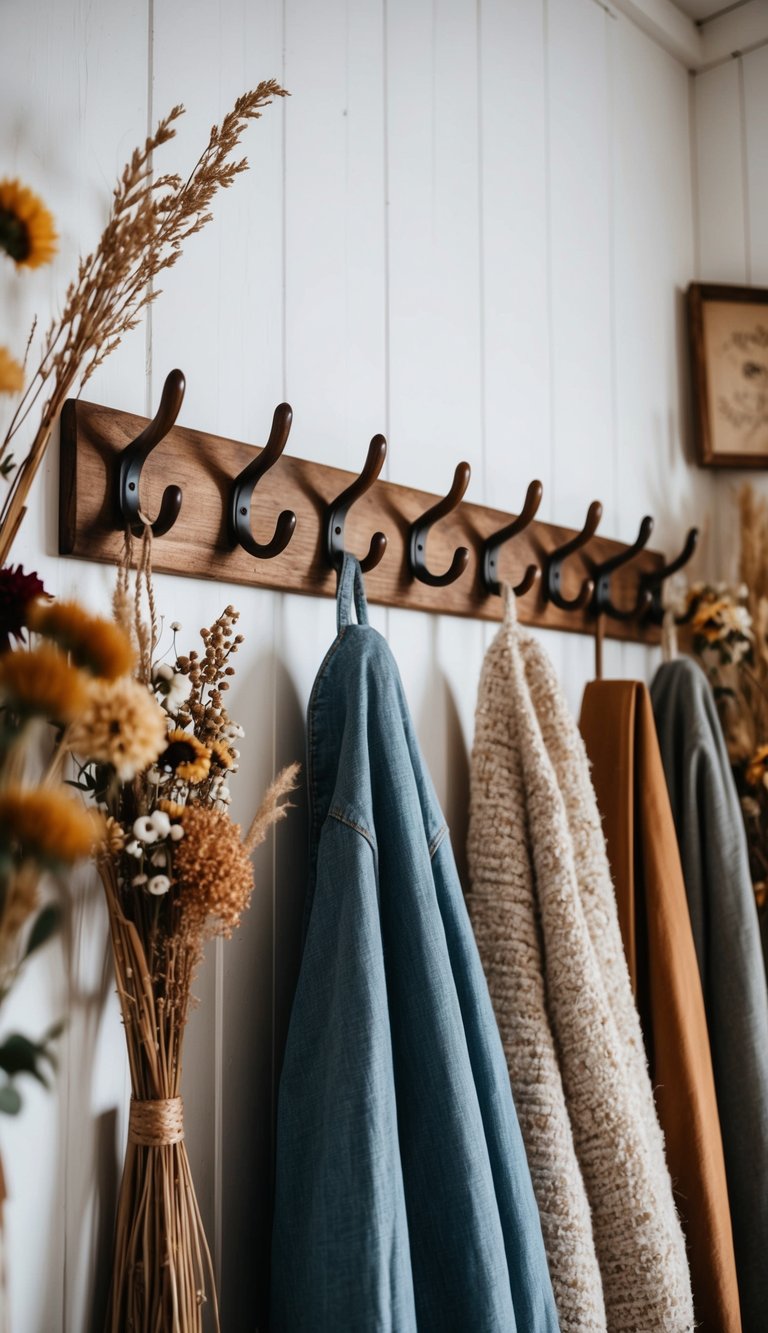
[[156, 1124]]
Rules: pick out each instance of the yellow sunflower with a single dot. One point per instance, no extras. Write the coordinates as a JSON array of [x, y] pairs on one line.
[[186, 757], [221, 755], [710, 620], [27, 230], [11, 373]]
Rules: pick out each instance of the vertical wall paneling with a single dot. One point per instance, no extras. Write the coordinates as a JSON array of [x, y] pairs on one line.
[[513, 169], [652, 208], [755, 136], [731, 109], [719, 161], [469, 227], [580, 212], [435, 301]]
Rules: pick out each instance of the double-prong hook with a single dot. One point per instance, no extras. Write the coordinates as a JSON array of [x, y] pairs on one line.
[[241, 494], [419, 531], [336, 512], [655, 580], [492, 547], [553, 564], [602, 604], [135, 455]]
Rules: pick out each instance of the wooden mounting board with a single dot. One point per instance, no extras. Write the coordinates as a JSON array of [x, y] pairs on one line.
[[197, 546]]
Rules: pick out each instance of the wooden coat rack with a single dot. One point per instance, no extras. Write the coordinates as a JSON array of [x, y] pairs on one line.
[[207, 491]]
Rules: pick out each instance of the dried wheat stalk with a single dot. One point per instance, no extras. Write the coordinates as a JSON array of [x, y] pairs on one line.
[[149, 222]]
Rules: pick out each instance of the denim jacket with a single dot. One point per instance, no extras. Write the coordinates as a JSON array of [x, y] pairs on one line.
[[403, 1195]]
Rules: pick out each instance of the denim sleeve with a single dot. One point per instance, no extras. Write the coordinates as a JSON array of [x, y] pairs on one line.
[[340, 1240]]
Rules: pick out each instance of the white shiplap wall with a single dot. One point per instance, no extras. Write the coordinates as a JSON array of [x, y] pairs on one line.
[[469, 227], [730, 123]]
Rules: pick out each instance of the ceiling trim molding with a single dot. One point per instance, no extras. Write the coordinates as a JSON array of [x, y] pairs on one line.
[[699, 46], [667, 25]]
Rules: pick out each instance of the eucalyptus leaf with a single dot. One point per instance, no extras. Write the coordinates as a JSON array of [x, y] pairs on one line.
[[46, 925], [19, 1055]]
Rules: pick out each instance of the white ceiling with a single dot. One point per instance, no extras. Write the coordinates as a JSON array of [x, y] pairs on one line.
[[702, 9]]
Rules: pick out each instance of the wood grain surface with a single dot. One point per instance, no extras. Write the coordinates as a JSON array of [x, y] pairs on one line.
[[198, 546]]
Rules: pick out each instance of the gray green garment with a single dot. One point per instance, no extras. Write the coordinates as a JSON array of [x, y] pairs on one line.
[[726, 933]]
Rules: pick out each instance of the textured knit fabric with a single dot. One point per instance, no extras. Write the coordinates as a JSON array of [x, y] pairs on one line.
[[544, 913], [713, 847], [620, 735], [403, 1194]]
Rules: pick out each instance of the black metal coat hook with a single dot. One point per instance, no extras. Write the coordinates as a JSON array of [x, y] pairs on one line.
[[336, 512], [654, 582], [553, 564], [135, 455], [601, 597], [492, 548], [241, 494], [419, 532]]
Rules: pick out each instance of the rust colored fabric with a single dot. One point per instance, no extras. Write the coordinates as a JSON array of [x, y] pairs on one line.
[[620, 736]]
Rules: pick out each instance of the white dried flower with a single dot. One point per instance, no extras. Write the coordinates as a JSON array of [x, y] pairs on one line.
[[160, 823], [173, 687], [175, 626], [158, 885], [138, 880], [176, 833], [144, 829], [134, 848]]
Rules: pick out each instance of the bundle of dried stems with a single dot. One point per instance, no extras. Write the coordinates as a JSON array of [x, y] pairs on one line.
[[175, 872], [149, 221]]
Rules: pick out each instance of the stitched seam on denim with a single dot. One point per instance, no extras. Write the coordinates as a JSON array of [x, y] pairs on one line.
[[438, 838], [350, 823], [311, 709]]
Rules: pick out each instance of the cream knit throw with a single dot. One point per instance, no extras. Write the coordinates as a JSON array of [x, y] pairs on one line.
[[544, 913]]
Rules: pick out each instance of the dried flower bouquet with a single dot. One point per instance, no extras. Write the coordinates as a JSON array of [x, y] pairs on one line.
[[156, 752], [729, 625]]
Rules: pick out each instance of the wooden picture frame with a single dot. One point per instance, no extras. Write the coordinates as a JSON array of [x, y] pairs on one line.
[[728, 338]]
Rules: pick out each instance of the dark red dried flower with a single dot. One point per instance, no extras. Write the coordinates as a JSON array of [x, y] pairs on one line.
[[17, 590]]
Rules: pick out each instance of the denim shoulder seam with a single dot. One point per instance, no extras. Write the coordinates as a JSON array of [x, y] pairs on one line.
[[342, 818], [438, 838]]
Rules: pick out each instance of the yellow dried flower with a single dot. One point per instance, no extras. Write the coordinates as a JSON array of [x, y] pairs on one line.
[[213, 871], [171, 808], [11, 373], [113, 841], [221, 755], [122, 725], [27, 229], [186, 757], [42, 683], [42, 824], [757, 766], [98, 645]]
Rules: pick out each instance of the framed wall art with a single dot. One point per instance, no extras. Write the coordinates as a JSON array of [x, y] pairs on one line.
[[728, 333]]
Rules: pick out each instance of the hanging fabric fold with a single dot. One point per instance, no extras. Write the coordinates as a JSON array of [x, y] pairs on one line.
[[619, 733], [726, 935], [544, 912], [403, 1194]]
